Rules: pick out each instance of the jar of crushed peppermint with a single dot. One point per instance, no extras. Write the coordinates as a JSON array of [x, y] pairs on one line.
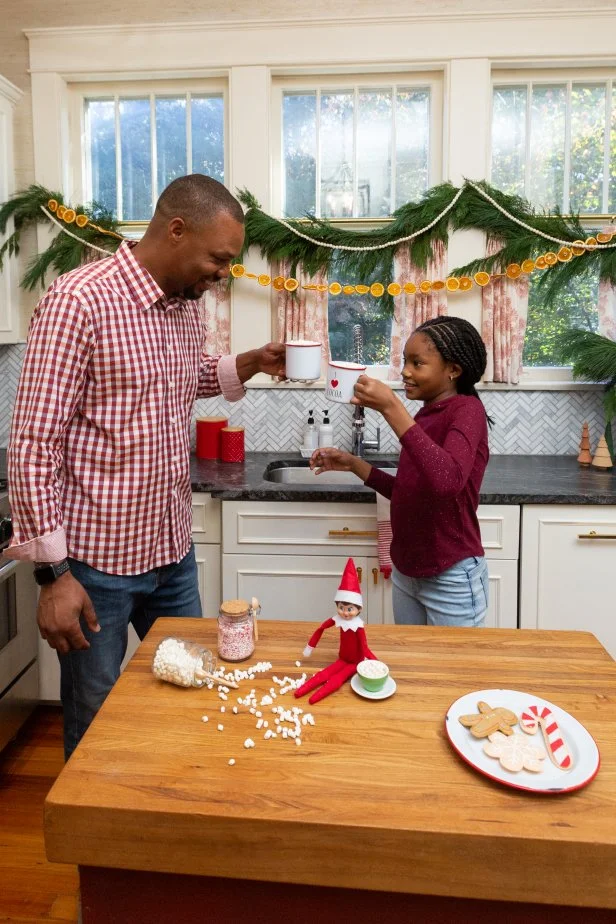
[[184, 663], [237, 629]]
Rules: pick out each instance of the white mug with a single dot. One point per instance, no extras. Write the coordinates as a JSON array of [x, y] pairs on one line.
[[341, 379], [303, 360]]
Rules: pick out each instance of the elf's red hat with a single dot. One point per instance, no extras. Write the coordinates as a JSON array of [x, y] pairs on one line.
[[349, 590]]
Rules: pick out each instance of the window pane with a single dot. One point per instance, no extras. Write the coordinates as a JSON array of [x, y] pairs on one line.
[[136, 159], [100, 134], [336, 153], [170, 140], [299, 153], [412, 145], [208, 136], [587, 147], [612, 197], [547, 146], [576, 306], [346, 310], [374, 124], [509, 139]]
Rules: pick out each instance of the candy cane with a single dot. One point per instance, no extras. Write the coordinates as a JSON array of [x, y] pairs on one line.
[[532, 718]]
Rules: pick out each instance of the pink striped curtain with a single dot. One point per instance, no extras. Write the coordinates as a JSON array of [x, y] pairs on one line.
[[303, 315], [607, 302], [412, 310], [215, 310], [503, 324]]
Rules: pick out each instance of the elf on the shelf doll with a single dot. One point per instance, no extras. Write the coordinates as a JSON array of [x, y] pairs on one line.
[[353, 642]]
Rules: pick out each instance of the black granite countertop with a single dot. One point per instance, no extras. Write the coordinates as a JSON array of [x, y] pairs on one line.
[[508, 480]]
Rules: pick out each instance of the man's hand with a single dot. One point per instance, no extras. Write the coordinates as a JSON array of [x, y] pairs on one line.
[[60, 606], [269, 359]]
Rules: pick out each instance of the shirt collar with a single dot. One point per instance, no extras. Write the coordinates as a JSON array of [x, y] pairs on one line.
[[348, 624], [144, 288]]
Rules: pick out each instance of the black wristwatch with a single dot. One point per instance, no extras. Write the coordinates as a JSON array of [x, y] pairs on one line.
[[50, 572]]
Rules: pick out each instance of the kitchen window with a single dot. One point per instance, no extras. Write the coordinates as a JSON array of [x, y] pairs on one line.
[[135, 139], [354, 149], [554, 143]]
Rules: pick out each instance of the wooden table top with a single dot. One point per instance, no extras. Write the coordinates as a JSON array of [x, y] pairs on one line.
[[374, 798]]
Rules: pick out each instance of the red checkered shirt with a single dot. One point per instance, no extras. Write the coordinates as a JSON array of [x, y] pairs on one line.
[[99, 455]]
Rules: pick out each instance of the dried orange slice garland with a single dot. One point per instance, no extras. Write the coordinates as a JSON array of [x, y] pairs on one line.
[[377, 289]]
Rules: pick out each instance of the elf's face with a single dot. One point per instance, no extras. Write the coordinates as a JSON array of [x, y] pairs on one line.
[[347, 610]]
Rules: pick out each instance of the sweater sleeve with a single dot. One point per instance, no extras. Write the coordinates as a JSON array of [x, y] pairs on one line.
[[445, 469], [380, 481], [315, 638]]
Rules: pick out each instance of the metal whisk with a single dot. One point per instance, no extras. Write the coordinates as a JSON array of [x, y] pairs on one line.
[[358, 343]]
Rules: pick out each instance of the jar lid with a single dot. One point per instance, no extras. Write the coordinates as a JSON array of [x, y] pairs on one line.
[[234, 607]]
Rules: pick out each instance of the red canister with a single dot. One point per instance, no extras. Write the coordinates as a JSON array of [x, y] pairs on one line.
[[208, 436], [232, 444]]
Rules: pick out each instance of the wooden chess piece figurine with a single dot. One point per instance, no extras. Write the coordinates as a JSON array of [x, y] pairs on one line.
[[585, 457], [602, 457]]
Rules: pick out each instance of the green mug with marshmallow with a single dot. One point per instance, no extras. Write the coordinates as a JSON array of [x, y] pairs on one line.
[[373, 675]]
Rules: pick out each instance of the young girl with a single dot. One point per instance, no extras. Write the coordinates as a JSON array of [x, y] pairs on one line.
[[440, 576]]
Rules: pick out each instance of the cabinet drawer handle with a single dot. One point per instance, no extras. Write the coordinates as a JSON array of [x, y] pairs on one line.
[[595, 535], [360, 571], [375, 576], [353, 532]]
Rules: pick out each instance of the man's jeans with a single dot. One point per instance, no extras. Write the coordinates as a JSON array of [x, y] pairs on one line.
[[88, 676]]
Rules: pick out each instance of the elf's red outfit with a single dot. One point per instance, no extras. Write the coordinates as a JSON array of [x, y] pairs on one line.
[[353, 643]]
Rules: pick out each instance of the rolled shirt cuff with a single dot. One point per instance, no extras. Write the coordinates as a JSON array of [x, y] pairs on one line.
[[51, 547], [231, 387]]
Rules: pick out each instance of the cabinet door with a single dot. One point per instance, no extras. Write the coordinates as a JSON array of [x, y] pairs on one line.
[[208, 568], [503, 594], [290, 587], [566, 578], [378, 591]]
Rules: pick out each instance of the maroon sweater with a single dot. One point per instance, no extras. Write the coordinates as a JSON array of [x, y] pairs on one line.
[[435, 494]]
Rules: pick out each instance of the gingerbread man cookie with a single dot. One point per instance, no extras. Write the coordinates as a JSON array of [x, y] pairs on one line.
[[514, 753], [489, 720]]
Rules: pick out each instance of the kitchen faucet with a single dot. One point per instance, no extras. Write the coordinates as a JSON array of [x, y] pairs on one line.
[[359, 444]]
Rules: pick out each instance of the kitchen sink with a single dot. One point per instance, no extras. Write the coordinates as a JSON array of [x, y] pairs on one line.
[[280, 473]]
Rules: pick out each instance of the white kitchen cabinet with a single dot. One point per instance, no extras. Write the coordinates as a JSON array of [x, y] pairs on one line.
[[567, 566], [292, 555], [208, 568], [10, 326]]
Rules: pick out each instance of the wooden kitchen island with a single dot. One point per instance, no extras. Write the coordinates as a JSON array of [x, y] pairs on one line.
[[374, 818]]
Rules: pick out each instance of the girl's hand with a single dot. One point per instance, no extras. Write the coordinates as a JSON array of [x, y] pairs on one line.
[[331, 460], [374, 394]]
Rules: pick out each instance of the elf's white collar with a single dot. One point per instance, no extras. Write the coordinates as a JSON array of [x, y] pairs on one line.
[[346, 624]]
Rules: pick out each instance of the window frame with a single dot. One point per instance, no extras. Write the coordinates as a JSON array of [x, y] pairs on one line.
[[542, 76], [133, 89]]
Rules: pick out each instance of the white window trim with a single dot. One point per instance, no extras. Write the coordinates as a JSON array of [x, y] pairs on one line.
[[79, 92], [387, 79]]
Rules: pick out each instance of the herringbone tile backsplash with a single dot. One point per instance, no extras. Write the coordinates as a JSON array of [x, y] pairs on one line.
[[527, 422]]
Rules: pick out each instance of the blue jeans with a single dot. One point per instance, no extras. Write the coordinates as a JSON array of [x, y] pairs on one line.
[[455, 597], [88, 676]]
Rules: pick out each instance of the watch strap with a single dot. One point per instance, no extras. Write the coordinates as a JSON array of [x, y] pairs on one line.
[[51, 571]]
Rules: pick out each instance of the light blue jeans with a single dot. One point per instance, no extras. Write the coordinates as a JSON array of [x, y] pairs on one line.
[[88, 676], [455, 597]]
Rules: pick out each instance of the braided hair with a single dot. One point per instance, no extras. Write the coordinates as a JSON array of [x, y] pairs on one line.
[[458, 341]]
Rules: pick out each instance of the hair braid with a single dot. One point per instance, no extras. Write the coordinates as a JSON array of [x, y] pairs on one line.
[[458, 341]]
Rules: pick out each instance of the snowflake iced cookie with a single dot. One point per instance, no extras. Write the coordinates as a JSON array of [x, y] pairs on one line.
[[489, 720], [514, 753]]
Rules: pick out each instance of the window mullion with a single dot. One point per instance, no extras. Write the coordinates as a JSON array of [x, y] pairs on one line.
[[317, 194], [527, 163], [605, 201], [189, 168], [394, 151], [565, 205], [118, 134], [355, 177], [153, 151]]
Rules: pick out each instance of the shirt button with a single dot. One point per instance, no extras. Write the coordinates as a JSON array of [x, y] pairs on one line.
[[171, 384], [173, 420], [174, 458], [174, 491]]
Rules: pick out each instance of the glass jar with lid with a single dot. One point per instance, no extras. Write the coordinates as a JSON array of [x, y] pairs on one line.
[[237, 629], [184, 663]]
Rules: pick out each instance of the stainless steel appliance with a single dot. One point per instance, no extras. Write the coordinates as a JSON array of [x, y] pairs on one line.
[[18, 635]]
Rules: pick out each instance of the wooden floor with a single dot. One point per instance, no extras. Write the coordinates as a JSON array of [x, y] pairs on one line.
[[31, 889]]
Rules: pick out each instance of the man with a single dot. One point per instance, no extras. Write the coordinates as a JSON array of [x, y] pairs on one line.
[[98, 459]]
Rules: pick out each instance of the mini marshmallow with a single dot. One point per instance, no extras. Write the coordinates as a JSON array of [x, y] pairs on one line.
[[260, 723], [220, 727], [298, 741], [235, 710], [231, 762], [298, 663], [249, 743], [204, 718], [222, 708]]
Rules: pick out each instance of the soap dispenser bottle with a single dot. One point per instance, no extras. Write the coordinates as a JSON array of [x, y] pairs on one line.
[[311, 436], [326, 431]]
